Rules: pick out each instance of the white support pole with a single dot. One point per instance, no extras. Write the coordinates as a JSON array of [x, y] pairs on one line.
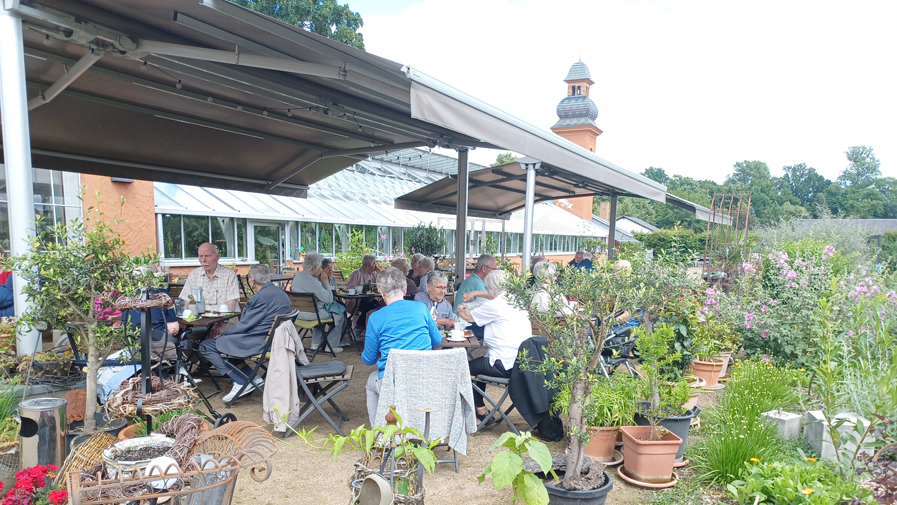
[[17, 155], [528, 213], [612, 229], [461, 218], [160, 240]]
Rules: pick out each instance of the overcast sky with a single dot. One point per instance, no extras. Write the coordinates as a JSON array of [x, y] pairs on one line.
[[690, 86]]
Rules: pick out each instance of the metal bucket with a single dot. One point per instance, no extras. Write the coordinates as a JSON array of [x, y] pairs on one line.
[[42, 432]]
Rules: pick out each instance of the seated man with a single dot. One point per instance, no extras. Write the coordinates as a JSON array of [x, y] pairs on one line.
[[434, 299], [219, 284], [247, 337], [472, 291], [505, 328], [576, 258], [313, 279], [425, 267], [586, 263], [402, 324]]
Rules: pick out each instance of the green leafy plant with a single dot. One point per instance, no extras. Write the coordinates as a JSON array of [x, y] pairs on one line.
[[805, 481], [73, 282], [9, 427], [348, 259], [614, 402], [654, 349], [424, 239], [507, 467]]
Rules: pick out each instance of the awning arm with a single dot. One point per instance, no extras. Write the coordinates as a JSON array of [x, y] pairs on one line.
[[59, 86]]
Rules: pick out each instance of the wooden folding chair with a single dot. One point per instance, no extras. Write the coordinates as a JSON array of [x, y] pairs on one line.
[[308, 302], [175, 290], [259, 359], [330, 378]]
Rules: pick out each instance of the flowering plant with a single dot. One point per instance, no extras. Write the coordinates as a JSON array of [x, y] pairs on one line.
[[27, 489]]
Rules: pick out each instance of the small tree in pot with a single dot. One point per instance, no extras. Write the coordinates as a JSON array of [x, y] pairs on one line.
[[576, 334], [74, 272]]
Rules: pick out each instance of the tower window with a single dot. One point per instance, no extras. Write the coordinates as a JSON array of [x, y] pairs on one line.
[[579, 90]]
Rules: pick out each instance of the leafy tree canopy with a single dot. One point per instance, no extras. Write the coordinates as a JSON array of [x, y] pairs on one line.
[[504, 159], [324, 17]]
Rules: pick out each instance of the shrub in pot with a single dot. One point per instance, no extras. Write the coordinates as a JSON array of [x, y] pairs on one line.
[[613, 404], [650, 451], [705, 364]]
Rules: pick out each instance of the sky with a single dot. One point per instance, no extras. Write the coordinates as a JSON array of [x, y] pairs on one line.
[[692, 86]]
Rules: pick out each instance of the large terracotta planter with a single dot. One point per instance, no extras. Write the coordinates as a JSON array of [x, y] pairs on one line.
[[602, 442], [707, 370], [679, 425], [649, 461]]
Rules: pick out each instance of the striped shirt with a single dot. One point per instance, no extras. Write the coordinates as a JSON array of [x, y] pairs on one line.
[[222, 288]]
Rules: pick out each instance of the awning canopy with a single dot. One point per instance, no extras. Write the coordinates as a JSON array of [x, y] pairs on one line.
[[207, 93]]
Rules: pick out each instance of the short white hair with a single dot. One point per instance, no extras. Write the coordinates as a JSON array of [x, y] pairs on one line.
[[312, 260], [586, 255], [391, 282], [494, 282], [482, 261], [544, 270], [426, 262], [260, 274]]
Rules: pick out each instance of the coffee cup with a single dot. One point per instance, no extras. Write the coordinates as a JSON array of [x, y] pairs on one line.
[[351, 291], [456, 335], [223, 308], [187, 313]]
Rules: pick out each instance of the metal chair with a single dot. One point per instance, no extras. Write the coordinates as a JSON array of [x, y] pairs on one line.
[[259, 359], [321, 382], [617, 348], [308, 303], [490, 419]]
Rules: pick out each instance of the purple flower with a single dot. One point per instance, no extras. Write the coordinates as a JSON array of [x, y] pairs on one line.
[[764, 334], [710, 292], [748, 324], [766, 358], [763, 308], [791, 274], [749, 316]]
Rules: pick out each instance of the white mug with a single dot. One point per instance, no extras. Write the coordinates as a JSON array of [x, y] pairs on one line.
[[457, 334], [223, 308], [351, 291], [187, 313]]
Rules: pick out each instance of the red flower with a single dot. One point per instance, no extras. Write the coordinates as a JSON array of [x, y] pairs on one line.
[[52, 468], [59, 496]]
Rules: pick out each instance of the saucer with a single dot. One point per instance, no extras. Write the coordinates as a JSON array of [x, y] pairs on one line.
[[450, 339], [614, 460]]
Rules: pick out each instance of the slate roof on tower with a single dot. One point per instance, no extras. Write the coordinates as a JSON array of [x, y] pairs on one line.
[[579, 70], [578, 110]]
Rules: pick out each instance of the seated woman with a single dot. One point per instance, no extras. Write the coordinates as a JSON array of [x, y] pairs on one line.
[[402, 265], [313, 279], [545, 273], [327, 267], [425, 267], [365, 275], [505, 327], [402, 324]]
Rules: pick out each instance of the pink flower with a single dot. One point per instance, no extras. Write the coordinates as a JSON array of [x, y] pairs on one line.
[[764, 334], [710, 292], [766, 358], [763, 308], [791, 275], [382, 237]]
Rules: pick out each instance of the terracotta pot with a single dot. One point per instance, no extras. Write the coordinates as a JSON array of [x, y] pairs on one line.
[[602, 442], [649, 461], [692, 401], [724, 356], [708, 370], [130, 431]]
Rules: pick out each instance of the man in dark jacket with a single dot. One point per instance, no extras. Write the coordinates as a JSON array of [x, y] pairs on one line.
[[247, 337], [7, 302]]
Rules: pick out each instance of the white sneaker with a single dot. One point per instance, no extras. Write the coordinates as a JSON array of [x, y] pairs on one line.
[[258, 381], [236, 389], [183, 373], [337, 350]]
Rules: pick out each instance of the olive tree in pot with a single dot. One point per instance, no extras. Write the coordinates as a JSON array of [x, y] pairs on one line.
[[74, 271], [613, 404], [650, 450], [575, 340]]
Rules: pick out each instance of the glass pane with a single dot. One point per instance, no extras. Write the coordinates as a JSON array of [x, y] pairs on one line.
[[241, 239], [371, 238], [196, 233], [293, 249], [71, 188], [308, 236], [171, 236], [223, 236], [57, 187], [4, 227], [383, 239], [3, 185], [341, 237], [325, 239], [267, 245], [45, 220], [449, 242], [43, 186], [395, 241]]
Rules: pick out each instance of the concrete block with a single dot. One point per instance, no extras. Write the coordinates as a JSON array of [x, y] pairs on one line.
[[787, 424], [817, 434]]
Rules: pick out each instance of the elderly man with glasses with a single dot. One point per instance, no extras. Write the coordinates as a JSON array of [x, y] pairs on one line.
[[247, 337], [434, 299]]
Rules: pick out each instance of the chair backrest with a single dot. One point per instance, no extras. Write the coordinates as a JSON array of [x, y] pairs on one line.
[[278, 320], [245, 288], [305, 302], [338, 275], [175, 290], [408, 297], [415, 379]]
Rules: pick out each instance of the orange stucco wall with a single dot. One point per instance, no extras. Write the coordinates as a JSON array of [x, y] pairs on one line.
[[139, 212]]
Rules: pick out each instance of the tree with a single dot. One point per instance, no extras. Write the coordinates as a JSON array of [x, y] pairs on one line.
[[863, 169], [504, 159], [767, 195], [324, 17], [657, 174], [856, 194], [805, 184], [71, 282]]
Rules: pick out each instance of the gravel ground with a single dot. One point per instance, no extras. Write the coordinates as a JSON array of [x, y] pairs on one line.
[[303, 474]]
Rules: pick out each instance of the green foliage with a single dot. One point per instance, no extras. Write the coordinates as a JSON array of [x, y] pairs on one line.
[[613, 402], [324, 17], [507, 467], [888, 253], [424, 239], [658, 383], [503, 159], [72, 283], [592, 245], [679, 241], [736, 432], [9, 411], [805, 481], [349, 258]]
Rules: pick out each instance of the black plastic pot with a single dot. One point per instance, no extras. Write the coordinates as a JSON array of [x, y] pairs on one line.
[[112, 428], [679, 425], [561, 496]]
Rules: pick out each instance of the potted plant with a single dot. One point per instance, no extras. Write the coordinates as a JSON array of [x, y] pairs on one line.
[[138, 429], [650, 450], [7, 336], [705, 364], [54, 362], [613, 404], [575, 340], [73, 272], [508, 467]]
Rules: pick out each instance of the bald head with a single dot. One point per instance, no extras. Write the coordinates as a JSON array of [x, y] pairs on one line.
[[208, 258]]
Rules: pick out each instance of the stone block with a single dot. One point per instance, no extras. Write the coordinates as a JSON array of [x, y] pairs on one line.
[[787, 424], [817, 434]]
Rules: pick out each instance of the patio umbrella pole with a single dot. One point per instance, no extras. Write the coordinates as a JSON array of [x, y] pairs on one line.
[[145, 352]]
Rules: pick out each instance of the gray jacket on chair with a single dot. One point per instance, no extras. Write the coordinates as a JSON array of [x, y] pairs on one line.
[[248, 336], [441, 379]]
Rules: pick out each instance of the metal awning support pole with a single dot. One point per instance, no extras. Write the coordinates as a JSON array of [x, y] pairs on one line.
[[17, 155], [530, 166], [461, 218], [160, 240], [501, 245], [612, 228]]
